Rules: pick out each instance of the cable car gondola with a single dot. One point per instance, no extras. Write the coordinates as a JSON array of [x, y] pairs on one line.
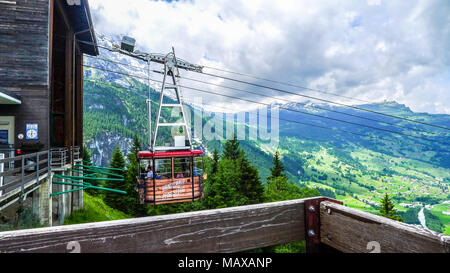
[[171, 177], [173, 172]]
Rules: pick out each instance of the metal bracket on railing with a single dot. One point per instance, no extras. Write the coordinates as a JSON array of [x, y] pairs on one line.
[[312, 224], [22, 175], [37, 169], [2, 156]]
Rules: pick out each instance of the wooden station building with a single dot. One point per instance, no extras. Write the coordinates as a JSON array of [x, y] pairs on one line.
[[41, 72]]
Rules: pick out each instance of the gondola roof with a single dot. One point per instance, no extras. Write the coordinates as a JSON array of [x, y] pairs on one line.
[[148, 154]]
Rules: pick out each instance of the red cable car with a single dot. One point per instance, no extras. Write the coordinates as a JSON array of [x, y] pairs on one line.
[[172, 172], [171, 177]]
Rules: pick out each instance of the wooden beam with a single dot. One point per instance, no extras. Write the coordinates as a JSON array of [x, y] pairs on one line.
[[222, 230], [50, 51], [68, 121], [64, 16], [351, 230], [79, 108], [312, 224]]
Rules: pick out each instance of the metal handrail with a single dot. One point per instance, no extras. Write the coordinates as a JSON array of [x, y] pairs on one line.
[[24, 168], [8, 153], [22, 175], [59, 157], [75, 151]]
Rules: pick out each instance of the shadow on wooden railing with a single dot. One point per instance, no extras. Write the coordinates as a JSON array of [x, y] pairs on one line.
[[323, 223]]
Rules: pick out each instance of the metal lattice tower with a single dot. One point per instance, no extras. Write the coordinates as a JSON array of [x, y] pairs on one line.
[[171, 71], [170, 83]]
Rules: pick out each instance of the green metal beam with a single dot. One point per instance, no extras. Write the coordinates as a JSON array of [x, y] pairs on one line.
[[107, 189], [89, 173], [71, 180], [98, 167], [90, 178], [64, 192], [71, 184], [95, 172]]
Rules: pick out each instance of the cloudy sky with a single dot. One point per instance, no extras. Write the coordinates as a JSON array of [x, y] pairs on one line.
[[373, 50]]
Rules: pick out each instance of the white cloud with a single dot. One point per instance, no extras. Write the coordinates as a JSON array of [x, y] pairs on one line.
[[373, 2], [370, 50]]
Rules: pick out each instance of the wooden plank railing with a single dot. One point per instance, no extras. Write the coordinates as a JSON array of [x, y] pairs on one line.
[[222, 230], [231, 230], [352, 230]]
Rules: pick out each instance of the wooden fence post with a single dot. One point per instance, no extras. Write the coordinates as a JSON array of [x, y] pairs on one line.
[[312, 225]]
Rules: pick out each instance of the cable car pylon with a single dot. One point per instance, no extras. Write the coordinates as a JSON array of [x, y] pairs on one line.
[[167, 173], [170, 83]]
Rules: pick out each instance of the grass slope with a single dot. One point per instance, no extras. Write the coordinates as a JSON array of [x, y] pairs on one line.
[[95, 210]]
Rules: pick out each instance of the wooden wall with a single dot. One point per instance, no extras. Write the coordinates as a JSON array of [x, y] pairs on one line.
[[37, 66], [24, 62], [24, 43]]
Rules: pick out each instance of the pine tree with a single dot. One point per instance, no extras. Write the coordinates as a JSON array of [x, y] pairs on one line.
[[116, 200], [133, 206], [86, 156], [88, 162], [136, 146], [215, 161], [278, 168], [388, 210], [232, 150], [250, 186], [224, 188], [279, 188], [209, 189]]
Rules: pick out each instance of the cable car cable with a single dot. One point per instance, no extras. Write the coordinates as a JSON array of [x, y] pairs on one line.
[[312, 106], [288, 109], [286, 83], [416, 144], [293, 93], [323, 100], [335, 129]]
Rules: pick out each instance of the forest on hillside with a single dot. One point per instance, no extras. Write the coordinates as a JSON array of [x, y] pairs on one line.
[[231, 181]]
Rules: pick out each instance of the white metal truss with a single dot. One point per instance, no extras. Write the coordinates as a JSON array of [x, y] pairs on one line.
[[159, 58], [171, 65], [170, 83]]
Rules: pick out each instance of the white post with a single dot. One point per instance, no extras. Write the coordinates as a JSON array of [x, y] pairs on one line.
[[2, 156], [149, 104]]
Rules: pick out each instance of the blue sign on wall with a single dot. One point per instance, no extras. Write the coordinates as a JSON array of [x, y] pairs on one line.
[[3, 136], [32, 132]]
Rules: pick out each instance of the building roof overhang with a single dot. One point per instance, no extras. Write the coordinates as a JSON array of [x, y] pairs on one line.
[[80, 17], [7, 97]]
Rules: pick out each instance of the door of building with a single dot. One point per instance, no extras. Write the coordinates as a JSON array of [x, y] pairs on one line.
[[6, 130]]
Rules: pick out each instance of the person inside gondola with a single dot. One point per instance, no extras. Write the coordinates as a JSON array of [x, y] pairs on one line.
[[197, 172], [149, 172]]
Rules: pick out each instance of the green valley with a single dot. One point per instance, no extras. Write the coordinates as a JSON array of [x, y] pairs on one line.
[[358, 170]]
